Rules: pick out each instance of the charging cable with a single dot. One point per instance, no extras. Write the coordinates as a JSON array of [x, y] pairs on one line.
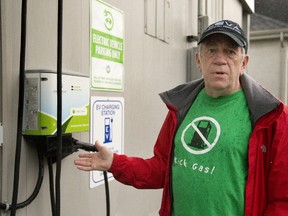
[[90, 147], [59, 109], [20, 109], [83, 145], [7, 207]]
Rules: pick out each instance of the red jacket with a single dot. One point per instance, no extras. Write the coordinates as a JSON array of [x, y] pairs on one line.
[[267, 180]]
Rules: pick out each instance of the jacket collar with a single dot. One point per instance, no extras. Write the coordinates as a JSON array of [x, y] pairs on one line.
[[260, 101]]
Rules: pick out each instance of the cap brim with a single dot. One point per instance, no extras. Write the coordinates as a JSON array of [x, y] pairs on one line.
[[232, 36]]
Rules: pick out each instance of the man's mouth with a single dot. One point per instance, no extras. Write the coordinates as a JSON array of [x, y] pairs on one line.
[[219, 73]]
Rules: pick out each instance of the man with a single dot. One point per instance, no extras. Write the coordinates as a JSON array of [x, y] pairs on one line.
[[223, 147]]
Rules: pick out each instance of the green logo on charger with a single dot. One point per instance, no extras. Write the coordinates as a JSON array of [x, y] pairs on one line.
[[109, 21]]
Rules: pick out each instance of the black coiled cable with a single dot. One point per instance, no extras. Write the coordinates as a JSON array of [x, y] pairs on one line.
[[36, 189]]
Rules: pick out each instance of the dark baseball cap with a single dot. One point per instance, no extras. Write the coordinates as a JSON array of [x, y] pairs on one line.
[[229, 28]]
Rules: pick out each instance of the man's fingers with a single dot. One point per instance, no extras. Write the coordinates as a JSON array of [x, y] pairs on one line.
[[83, 164], [84, 168], [100, 160], [85, 155]]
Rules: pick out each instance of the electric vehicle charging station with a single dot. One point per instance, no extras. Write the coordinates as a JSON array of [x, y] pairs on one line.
[[40, 104]]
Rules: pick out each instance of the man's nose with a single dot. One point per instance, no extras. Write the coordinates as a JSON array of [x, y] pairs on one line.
[[220, 57]]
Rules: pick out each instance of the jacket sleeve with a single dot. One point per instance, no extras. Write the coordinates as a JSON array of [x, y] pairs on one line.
[[147, 173], [278, 175]]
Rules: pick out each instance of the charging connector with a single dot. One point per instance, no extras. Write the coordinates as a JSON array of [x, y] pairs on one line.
[[83, 145], [47, 145]]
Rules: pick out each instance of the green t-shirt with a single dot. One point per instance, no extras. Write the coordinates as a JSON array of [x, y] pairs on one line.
[[210, 157]]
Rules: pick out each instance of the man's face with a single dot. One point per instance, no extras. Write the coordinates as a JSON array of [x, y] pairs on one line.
[[221, 62]]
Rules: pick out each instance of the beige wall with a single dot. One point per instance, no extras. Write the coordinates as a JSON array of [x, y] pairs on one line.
[[233, 10], [264, 64], [268, 62]]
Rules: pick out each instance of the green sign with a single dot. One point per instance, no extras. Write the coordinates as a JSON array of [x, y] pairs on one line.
[[106, 46]]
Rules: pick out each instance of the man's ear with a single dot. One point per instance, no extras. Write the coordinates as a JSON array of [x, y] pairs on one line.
[[245, 63], [198, 60]]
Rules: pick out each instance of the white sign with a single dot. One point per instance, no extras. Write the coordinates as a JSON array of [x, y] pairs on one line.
[[106, 47], [107, 126]]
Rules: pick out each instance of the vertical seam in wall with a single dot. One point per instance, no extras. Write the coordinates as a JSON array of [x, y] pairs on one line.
[[1, 106]]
